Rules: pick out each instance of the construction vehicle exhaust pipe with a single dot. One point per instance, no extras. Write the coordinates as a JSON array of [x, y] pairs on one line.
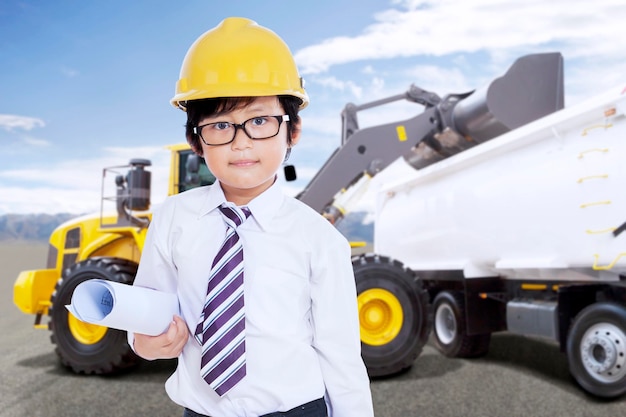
[[132, 194], [138, 182], [135, 196]]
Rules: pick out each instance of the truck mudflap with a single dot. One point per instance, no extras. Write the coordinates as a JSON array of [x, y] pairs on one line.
[[32, 289]]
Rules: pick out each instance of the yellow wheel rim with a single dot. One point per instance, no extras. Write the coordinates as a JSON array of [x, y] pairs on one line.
[[85, 333], [380, 315]]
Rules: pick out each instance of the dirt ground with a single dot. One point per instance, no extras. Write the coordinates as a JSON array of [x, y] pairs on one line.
[[519, 377]]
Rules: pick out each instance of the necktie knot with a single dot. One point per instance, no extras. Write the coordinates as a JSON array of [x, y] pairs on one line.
[[233, 215]]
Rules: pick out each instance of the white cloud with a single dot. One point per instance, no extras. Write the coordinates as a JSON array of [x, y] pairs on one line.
[[336, 84], [36, 142], [497, 27], [10, 122], [438, 79], [368, 69], [49, 200], [74, 186], [325, 124]]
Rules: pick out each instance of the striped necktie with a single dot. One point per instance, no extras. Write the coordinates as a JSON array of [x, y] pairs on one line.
[[221, 328]]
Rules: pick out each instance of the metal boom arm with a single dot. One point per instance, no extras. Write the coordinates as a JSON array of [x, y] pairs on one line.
[[366, 151], [530, 89]]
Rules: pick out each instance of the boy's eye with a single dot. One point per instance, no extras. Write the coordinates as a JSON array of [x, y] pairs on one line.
[[221, 125], [258, 121]]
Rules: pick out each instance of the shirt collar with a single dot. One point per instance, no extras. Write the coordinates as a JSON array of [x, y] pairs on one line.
[[263, 207]]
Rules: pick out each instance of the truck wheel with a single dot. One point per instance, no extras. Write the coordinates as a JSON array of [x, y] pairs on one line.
[[393, 314], [450, 328], [83, 347], [596, 349]]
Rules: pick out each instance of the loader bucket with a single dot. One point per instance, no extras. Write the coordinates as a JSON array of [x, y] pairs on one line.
[[532, 88]]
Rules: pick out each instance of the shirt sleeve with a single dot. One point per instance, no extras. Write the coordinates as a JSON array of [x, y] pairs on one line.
[[336, 330], [156, 269]]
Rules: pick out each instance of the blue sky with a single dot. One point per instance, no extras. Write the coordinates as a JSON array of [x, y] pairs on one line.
[[86, 84]]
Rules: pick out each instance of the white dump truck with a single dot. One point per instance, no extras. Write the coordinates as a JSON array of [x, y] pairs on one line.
[[524, 233], [512, 218]]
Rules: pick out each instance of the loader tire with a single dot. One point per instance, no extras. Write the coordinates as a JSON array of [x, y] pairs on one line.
[[393, 314], [87, 348], [596, 349], [450, 330]]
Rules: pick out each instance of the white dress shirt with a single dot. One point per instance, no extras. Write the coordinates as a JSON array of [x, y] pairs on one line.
[[302, 329]]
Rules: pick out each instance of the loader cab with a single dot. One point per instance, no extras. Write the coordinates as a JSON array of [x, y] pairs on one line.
[[187, 170]]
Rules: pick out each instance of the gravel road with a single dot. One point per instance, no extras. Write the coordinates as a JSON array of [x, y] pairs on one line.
[[519, 377]]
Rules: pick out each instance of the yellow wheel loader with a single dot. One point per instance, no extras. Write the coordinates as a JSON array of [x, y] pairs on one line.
[[105, 246]]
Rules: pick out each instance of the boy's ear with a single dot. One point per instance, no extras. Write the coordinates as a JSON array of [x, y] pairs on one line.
[[295, 135]]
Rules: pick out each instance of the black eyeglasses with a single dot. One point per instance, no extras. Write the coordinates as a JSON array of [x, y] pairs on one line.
[[222, 133]]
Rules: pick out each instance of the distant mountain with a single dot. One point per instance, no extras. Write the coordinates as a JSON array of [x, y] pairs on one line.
[[30, 227], [355, 228], [38, 227]]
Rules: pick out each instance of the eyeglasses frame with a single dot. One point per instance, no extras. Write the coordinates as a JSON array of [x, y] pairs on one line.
[[281, 118]]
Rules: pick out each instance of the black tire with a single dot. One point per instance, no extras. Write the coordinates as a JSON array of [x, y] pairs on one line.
[[393, 312], [596, 349], [84, 348], [450, 329]]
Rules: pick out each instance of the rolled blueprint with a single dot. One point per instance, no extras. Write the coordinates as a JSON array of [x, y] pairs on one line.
[[123, 307]]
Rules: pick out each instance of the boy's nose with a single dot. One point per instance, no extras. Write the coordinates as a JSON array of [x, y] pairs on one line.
[[242, 140]]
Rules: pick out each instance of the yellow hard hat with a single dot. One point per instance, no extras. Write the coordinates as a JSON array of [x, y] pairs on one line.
[[238, 58]]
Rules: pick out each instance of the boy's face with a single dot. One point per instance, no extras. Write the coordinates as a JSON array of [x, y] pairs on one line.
[[247, 167]]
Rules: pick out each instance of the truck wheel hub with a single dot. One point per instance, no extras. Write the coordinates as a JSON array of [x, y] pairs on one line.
[[445, 324], [380, 316], [603, 352]]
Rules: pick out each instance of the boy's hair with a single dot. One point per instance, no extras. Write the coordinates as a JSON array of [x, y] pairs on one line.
[[210, 107]]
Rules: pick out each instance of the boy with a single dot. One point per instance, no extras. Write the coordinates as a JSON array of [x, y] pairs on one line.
[[279, 336]]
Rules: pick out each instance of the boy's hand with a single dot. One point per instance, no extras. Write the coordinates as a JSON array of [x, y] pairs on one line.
[[164, 346]]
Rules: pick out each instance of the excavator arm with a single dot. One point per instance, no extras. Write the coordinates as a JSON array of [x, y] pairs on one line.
[[366, 153], [530, 89]]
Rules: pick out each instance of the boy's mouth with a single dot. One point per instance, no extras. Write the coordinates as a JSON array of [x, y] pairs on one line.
[[243, 162]]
